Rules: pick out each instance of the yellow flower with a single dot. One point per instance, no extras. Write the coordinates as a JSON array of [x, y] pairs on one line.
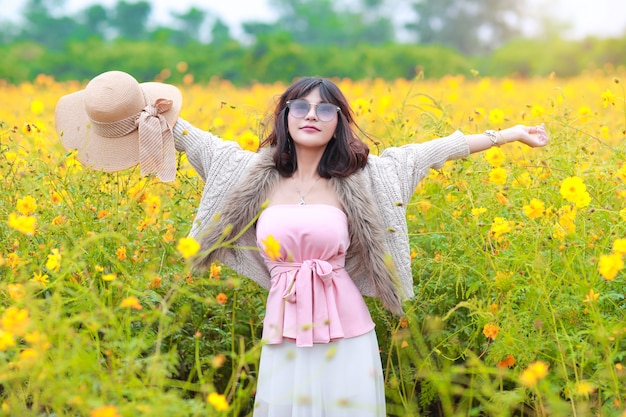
[[622, 214], [584, 388], [498, 176], [584, 112], [499, 227], [567, 215], [619, 246], [495, 156], [491, 331], [145, 223], [271, 247], [40, 278], [574, 190], [108, 277], [136, 190], [558, 233], [37, 340], [534, 209], [169, 235], [6, 340], [13, 260], [23, 224], [16, 292], [610, 265], [535, 372], [59, 220], [105, 411], [131, 302], [152, 205], [248, 141], [608, 98], [591, 296], [54, 261], [188, 247], [496, 116], [537, 110], [478, 211], [26, 206], [27, 357], [218, 401], [36, 107], [15, 320]]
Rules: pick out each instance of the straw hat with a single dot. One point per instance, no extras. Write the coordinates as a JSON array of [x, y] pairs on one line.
[[116, 123]]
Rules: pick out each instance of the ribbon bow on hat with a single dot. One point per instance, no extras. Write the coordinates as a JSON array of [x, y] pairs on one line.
[[157, 153], [116, 123]]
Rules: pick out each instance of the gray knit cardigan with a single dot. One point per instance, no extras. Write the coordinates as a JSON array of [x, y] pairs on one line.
[[391, 178]]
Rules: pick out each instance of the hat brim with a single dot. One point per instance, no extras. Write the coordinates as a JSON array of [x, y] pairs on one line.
[[102, 153]]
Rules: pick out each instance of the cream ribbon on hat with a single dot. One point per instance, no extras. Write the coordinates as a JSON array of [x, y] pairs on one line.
[[157, 153]]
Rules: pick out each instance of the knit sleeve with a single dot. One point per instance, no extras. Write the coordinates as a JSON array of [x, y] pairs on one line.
[[201, 147], [412, 162]]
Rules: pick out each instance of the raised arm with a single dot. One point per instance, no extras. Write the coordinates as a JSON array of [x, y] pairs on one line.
[[202, 147], [533, 136], [412, 162]]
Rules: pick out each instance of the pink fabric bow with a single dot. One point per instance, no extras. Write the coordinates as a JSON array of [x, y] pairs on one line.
[[157, 153], [310, 311]]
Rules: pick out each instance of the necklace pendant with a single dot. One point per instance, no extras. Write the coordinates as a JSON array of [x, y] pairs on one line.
[[302, 202]]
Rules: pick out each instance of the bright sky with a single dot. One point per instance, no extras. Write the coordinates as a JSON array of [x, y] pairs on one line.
[[586, 17]]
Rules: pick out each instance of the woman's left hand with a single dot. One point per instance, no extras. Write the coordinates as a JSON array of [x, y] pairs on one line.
[[533, 136]]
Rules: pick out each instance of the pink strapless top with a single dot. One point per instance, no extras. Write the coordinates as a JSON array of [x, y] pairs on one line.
[[312, 299]]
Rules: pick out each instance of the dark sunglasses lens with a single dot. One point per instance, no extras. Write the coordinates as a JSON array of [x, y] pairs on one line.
[[326, 111], [299, 108]]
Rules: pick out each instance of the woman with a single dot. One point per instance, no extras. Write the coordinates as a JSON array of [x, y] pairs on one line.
[[327, 217], [337, 216]]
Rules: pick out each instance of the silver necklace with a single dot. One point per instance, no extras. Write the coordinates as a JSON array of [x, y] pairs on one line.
[[302, 202]]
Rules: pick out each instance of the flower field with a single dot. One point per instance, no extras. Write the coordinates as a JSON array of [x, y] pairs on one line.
[[518, 260]]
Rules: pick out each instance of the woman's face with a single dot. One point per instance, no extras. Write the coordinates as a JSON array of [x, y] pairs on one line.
[[306, 127]]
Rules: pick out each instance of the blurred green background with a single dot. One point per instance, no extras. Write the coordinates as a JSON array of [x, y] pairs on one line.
[[76, 40]]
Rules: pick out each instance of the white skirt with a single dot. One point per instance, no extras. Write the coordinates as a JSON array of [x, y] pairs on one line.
[[338, 379]]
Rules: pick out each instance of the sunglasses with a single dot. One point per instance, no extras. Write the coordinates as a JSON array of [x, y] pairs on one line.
[[324, 111]]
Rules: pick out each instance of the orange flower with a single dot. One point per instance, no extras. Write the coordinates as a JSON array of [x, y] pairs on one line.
[[221, 298], [491, 331], [120, 253], [507, 362], [215, 270]]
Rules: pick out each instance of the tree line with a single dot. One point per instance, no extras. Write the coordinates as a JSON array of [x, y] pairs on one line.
[[349, 38]]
